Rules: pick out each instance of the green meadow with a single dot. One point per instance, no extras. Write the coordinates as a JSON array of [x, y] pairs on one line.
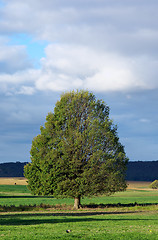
[[81, 226], [20, 195], [101, 217]]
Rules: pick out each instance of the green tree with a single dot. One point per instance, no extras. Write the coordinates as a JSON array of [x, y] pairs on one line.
[[78, 152], [154, 184]]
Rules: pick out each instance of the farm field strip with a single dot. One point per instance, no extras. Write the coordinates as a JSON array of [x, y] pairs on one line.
[[13, 181], [26, 200], [20, 195], [23, 181]]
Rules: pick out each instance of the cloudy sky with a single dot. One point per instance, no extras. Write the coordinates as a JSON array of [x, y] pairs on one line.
[[109, 47]]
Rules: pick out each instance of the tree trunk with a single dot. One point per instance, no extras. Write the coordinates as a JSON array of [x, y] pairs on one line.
[[77, 202]]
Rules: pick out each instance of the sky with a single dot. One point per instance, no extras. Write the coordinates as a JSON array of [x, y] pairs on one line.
[[108, 47]]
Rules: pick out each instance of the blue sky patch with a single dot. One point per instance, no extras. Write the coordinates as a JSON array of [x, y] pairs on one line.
[[35, 48]]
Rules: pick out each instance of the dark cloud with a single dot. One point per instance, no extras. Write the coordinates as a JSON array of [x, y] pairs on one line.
[[21, 118]]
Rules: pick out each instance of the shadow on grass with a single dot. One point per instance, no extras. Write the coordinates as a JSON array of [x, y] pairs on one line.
[[24, 196], [43, 206], [60, 214], [17, 219]]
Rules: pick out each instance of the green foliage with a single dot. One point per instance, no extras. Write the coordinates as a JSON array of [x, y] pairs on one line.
[[78, 152], [154, 185]]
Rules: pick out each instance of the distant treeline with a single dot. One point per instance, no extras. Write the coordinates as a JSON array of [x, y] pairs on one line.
[[142, 171], [136, 171], [12, 169]]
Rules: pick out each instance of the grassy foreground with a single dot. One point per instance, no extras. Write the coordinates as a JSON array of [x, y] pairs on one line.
[[123, 222], [82, 225]]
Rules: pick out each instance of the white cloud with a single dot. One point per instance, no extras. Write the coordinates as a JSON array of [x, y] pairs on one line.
[[75, 66], [97, 45], [13, 58], [21, 82], [26, 90], [70, 20], [68, 67]]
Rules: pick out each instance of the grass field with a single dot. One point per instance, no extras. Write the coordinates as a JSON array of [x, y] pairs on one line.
[[19, 195], [122, 222], [140, 226]]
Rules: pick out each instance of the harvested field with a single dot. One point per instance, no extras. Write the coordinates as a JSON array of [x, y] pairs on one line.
[[13, 181], [138, 185]]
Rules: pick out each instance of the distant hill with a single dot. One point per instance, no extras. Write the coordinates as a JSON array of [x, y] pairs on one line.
[[142, 171], [12, 169], [136, 171]]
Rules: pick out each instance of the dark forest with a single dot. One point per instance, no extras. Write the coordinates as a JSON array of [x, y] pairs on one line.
[[136, 171]]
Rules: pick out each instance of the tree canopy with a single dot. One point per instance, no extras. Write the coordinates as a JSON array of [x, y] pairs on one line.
[[78, 152]]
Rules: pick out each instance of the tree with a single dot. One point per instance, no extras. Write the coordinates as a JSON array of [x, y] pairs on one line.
[[78, 152], [154, 184]]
